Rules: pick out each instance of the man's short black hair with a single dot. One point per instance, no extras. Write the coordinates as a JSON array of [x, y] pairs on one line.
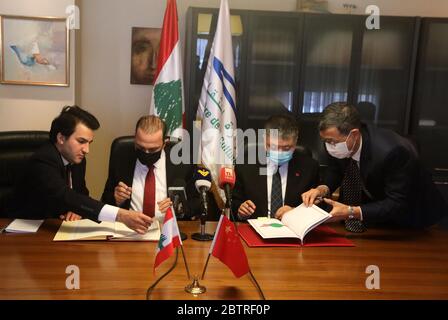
[[286, 124], [68, 119]]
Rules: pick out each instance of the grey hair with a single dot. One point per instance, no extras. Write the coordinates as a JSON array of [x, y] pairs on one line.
[[340, 115], [286, 125]]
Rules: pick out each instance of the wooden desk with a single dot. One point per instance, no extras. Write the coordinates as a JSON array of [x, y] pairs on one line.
[[413, 265]]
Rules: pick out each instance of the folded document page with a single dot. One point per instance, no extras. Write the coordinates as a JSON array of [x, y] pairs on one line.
[[24, 226], [86, 229], [296, 223]]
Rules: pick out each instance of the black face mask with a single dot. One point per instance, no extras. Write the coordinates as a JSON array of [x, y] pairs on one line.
[[148, 159]]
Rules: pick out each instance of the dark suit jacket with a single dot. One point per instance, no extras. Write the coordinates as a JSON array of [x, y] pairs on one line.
[[42, 192], [402, 190], [122, 169], [303, 174]]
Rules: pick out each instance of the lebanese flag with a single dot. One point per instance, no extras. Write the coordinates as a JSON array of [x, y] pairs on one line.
[[227, 247], [169, 238], [167, 99]]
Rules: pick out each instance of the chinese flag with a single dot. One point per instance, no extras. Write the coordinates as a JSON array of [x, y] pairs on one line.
[[227, 247]]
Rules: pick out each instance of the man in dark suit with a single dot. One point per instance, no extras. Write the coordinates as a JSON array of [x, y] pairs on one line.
[[53, 184], [381, 178], [275, 188], [140, 178]]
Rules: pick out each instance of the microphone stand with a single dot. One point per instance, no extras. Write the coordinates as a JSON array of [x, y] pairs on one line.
[[179, 215], [228, 204], [202, 236]]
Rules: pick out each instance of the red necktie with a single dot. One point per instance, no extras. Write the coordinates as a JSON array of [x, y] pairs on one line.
[[149, 197]]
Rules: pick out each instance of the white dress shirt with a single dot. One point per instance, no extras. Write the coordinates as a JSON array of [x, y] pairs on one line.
[[138, 185], [357, 155], [271, 170]]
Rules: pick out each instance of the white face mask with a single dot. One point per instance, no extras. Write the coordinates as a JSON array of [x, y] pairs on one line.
[[339, 150]]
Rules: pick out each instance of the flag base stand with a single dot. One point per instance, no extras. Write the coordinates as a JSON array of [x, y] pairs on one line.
[[202, 237], [183, 236], [195, 288]]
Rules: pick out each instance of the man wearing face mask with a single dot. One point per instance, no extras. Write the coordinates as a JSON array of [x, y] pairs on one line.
[[381, 178], [141, 177], [287, 174]]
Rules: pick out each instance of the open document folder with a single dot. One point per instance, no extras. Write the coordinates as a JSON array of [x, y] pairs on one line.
[[89, 230], [292, 230]]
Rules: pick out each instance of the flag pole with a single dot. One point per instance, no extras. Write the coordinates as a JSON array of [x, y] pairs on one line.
[[152, 287], [205, 267], [185, 261], [260, 291], [252, 277], [213, 243]]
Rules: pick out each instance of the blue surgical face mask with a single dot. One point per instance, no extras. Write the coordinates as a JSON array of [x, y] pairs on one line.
[[280, 157]]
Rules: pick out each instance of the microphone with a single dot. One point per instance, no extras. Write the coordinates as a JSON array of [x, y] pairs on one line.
[[178, 196], [227, 182], [203, 182]]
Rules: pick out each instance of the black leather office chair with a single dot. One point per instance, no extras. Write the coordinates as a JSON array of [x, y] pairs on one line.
[[15, 149], [123, 145], [367, 112], [120, 145]]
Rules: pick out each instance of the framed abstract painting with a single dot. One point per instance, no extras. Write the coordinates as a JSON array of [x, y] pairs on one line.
[[34, 51]]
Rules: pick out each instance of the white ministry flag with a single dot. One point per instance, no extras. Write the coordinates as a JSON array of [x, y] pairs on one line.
[[217, 104]]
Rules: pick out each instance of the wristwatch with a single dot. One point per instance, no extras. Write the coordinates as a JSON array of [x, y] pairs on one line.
[[351, 212]]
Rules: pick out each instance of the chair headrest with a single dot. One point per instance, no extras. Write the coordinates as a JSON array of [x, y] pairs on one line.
[[16, 140]]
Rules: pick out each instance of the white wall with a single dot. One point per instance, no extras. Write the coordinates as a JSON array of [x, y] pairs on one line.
[[103, 65], [105, 69], [33, 107]]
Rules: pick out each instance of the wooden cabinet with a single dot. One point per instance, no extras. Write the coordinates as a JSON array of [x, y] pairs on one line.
[[430, 103], [301, 62]]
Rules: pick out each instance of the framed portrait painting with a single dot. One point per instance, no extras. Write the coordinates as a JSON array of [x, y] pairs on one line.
[[34, 51], [144, 54]]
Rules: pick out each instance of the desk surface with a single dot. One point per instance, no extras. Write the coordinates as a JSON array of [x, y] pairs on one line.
[[412, 264]]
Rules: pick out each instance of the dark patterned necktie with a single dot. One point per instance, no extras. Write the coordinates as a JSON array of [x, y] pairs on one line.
[[68, 175], [276, 193], [351, 189]]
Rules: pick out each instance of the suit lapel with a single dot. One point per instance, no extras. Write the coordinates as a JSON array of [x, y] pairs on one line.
[[75, 169], [170, 170], [294, 178], [260, 183], [58, 158], [364, 160], [129, 168], [128, 174]]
